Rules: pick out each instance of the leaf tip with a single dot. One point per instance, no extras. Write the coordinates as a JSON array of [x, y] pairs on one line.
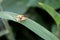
[[40, 3]]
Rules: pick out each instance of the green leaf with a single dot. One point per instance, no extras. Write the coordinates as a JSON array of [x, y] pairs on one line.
[[55, 15], [10, 35], [30, 24], [38, 29]]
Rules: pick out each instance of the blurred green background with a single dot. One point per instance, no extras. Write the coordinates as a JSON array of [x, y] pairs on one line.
[[30, 9]]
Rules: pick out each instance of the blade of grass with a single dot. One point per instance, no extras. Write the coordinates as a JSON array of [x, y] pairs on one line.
[[38, 29], [51, 11], [4, 32], [30, 24], [10, 35]]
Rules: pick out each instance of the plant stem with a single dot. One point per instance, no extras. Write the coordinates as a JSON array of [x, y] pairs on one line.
[[10, 35]]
